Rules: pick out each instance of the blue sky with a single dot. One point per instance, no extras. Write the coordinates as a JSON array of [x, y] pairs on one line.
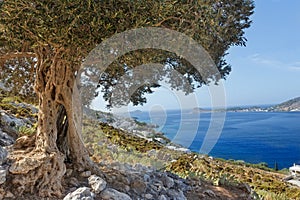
[[266, 71]]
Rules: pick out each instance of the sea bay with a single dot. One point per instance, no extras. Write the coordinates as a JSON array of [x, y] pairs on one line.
[[253, 137]]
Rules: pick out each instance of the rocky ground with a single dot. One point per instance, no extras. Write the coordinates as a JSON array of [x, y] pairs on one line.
[[120, 180]]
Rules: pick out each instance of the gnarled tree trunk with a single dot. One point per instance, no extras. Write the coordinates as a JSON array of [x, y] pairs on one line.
[[58, 139]]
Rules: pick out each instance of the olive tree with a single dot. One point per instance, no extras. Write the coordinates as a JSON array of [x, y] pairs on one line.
[[54, 37]]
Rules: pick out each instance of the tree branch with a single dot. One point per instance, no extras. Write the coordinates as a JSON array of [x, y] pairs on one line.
[[17, 55], [171, 17]]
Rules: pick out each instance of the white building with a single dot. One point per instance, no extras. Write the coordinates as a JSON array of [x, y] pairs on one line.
[[295, 171]]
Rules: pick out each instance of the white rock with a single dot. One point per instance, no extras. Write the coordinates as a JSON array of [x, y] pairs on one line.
[[162, 197], [82, 193], [112, 194], [2, 176], [97, 183], [3, 155], [5, 139], [148, 196]]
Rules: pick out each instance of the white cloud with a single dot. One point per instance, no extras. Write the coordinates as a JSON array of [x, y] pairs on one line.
[[268, 62]]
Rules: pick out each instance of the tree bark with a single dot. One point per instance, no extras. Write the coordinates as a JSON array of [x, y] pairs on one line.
[[58, 139]]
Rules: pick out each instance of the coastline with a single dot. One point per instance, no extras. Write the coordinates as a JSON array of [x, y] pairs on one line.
[[239, 128]]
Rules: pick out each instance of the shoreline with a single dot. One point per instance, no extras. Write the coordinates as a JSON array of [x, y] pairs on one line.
[[270, 162]]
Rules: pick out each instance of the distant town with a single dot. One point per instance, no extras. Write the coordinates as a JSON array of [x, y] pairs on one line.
[[292, 105]]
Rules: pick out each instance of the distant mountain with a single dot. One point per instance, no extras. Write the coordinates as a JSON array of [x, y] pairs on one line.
[[136, 112], [290, 105], [200, 110]]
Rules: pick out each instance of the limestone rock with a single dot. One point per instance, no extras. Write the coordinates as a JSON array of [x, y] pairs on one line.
[[11, 120], [162, 197], [97, 183], [167, 181], [3, 155], [86, 174], [82, 193], [112, 194], [2, 176], [176, 195], [149, 196], [5, 139]]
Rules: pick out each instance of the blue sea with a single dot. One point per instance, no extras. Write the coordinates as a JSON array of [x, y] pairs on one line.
[[253, 137]]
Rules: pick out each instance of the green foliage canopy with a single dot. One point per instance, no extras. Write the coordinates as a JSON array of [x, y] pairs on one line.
[[75, 27]]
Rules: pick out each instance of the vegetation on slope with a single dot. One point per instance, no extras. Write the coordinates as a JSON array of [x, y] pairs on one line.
[[132, 149], [107, 144]]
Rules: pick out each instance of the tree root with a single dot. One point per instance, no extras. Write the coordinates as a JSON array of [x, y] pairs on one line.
[[37, 172], [91, 166], [25, 143]]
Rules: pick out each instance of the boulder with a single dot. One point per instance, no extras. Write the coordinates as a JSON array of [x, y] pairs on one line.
[[82, 193], [97, 183], [112, 194]]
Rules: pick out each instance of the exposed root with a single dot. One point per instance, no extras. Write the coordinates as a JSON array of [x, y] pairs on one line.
[[37, 172], [93, 167], [25, 142]]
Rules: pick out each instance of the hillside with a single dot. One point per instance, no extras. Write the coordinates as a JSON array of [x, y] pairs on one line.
[[135, 167], [290, 105]]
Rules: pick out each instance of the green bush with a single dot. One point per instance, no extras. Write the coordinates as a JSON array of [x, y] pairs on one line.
[[24, 130]]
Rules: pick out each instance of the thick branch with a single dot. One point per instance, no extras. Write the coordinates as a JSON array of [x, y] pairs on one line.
[[17, 55]]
